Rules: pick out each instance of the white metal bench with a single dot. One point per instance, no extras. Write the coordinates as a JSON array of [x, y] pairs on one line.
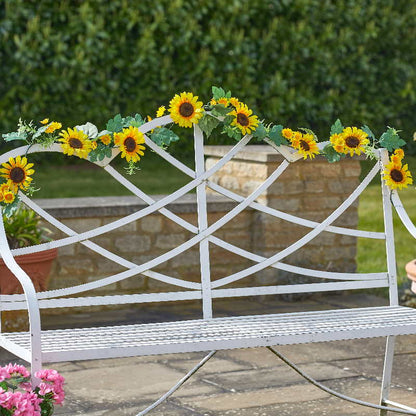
[[209, 333]]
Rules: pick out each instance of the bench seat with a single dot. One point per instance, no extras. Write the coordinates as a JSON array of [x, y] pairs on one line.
[[218, 333]]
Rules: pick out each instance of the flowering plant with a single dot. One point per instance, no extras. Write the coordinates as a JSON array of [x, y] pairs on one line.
[[19, 398], [223, 110]]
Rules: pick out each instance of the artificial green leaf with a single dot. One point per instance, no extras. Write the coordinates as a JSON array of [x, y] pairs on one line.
[[115, 124], [232, 132], [228, 119], [217, 92], [135, 121], [164, 137], [331, 154], [391, 140], [8, 137], [337, 127], [219, 110], [208, 123], [367, 130], [260, 133], [99, 153], [275, 135]]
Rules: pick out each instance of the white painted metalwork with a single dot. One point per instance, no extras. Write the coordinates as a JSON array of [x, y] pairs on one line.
[[294, 219], [388, 229], [178, 384], [209, 333], [398, 408], [220, 333]]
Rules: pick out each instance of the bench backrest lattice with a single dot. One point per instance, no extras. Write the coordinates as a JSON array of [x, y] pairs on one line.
[[203, 236]]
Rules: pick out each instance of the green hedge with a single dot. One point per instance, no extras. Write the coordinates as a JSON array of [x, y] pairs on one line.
[[296, 62]]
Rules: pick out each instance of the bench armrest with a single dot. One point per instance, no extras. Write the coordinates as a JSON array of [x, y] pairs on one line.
[[403, 215], [30, 295]]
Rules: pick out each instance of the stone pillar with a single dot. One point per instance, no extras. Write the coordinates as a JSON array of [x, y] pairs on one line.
[[310, 189]]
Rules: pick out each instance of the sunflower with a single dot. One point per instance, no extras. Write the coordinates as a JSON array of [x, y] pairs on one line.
[[75, 142], [106, 139], [397, 156], [287, 133], [185, 109], [351, 140], [44, 121], [53, 126], [17, 173], [244, 119], [130, 142], [222, 100], [306, 145], [6, 195], [160, 111], [397, 176], [234, 101]]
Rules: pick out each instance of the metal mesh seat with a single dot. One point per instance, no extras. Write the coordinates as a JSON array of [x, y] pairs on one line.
[[220, 333]]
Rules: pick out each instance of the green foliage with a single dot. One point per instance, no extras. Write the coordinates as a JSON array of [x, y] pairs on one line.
[[163, 137], [260, 133], [275, 134], [337, 127], [218, 92], [23, 228], [391, 140], [331, 154], [300, 62], [207, 123], [100, 153]]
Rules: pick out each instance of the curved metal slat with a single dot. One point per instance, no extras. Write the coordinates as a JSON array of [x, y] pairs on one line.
[[302, 241], [402, 213], [143, 212], [294, 219], [102, 251], [184, 246], [322, 274], [149, 200]]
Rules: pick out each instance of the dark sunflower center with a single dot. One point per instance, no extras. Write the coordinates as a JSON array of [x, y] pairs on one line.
[[242, 120], [352, 141], [396, 175], [17, 174], [130, 144], [304, 145], [186, 109], [75, 143]]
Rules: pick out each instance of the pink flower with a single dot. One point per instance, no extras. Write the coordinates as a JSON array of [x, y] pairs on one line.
[[17, 370], [4, 374], [52, 383]]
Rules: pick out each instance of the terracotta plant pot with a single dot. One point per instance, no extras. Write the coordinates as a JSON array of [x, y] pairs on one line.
[[36, 265], [411, 273]]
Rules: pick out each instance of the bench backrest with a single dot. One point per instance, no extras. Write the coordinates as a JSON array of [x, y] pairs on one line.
[[203, 236]]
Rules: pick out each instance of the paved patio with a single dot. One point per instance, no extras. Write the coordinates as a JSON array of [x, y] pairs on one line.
[[240, 382]]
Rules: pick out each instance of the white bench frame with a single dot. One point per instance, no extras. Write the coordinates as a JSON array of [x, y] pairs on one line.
[[209, 333]]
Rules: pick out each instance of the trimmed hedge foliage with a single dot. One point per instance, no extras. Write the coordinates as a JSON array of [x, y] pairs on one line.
[[302, 63]]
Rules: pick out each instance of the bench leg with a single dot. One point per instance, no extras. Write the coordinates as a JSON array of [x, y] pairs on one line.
[[395, 407], [177, 385], [387, 371]]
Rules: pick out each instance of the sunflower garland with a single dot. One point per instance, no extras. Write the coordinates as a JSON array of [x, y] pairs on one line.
[[123, 136]]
